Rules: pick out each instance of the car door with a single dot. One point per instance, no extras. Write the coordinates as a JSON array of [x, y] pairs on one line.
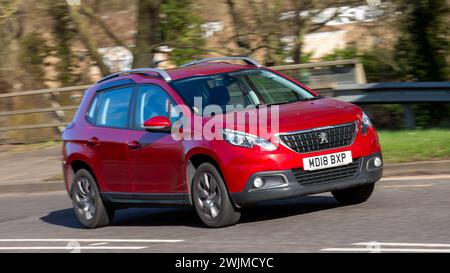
[[108, 138], [156, 160]]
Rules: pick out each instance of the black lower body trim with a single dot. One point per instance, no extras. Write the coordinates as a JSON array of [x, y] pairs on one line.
[[146, 199]]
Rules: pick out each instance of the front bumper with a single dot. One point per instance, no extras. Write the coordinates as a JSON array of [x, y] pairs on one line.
[[366, 174]]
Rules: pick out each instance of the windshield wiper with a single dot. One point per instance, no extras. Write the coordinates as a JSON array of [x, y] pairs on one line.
[[280, 103], [291, 101]]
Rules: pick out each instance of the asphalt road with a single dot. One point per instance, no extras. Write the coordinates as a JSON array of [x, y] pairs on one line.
[[404, 215]]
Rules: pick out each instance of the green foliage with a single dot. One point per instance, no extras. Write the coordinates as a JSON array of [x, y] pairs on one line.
[[64, 32], [181, 29], [33, 50], [430, 115], [386, 116], [423, 46], [378, 63], [341, 54]]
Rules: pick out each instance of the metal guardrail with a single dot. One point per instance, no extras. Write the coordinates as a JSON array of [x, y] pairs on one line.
[[404, 93], [396, 92]]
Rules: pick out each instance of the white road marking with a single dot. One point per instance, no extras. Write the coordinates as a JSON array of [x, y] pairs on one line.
[[99, 244], [359, 249], [377, 247], [403, 244], [72, 248], [94, 240], [408, 186]]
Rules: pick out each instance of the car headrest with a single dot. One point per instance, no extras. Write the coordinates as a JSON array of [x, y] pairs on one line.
[[219, 95]]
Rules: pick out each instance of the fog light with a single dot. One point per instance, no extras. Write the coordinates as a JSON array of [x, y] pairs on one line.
[[258, 182], [377, 162]]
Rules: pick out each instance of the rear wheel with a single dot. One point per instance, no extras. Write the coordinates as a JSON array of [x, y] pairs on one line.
[[211, 199], [87, 202], [354, 195]]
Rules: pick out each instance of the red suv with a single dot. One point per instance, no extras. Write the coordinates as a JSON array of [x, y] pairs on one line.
[[120, 150]]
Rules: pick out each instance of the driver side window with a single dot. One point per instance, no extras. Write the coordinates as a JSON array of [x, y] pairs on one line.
[[151, 101]]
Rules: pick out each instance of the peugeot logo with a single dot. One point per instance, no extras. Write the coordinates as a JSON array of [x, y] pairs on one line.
[[323, 138]]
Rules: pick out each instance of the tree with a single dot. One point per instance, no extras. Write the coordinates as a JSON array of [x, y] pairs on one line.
[[257, 25], [181, 30], [148, 32], [305, 19], [11, 29], [158, 23], [64, 31], [239, 26], [87, 38], [423, 46]]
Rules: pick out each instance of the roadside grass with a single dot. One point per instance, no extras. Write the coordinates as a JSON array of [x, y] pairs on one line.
[[415, 145]]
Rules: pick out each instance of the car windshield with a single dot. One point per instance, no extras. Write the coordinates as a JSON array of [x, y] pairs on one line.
[[241, 88]]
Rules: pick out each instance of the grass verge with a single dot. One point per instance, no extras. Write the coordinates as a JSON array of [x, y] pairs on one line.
[[415, 145]]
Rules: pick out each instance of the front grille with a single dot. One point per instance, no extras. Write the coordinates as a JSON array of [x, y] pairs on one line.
[[327, 175], [320, 138]]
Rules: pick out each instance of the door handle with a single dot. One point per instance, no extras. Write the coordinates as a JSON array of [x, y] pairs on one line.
[[93, 141], [133, 145]]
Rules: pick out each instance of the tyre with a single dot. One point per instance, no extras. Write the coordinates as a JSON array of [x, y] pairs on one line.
[[87, 202], [211, 199], [354, 195]]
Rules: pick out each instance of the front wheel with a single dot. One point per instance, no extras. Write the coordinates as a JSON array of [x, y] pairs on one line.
[[211, 199], [87, 202], [354, 195]]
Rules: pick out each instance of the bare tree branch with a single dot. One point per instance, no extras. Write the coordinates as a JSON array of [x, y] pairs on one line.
[[89, 12], [87, 39]]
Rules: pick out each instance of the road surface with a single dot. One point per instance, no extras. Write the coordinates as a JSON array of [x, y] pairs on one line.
[[405, 214]]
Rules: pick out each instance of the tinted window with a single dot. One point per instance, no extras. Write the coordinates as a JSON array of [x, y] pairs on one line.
[[113, 108], [91, 113], [151, 101], [247, 87]]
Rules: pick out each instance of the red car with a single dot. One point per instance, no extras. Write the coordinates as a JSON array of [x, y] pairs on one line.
[[119, 151]]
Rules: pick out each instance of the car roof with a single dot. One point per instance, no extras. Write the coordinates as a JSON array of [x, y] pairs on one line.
[[204, 69]]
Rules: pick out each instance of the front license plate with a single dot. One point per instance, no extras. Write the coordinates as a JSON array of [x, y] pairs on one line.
[[327, 161]]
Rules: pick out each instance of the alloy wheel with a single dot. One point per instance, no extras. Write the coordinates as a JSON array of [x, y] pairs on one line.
[[85, 198], [209, 196]]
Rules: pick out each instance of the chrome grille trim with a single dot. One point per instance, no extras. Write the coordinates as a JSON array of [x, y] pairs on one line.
[[317, 147]]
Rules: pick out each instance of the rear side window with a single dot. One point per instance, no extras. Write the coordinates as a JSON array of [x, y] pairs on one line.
[[113, 108], [91, 113]]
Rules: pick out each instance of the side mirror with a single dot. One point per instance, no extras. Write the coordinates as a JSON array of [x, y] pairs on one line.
[[157, 124]]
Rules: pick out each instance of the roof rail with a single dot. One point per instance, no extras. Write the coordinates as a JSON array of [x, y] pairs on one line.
[[245, 59], [145, 71]]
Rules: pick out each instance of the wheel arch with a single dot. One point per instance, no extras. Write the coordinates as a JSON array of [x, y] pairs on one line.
[[194, 160], [73, 166]]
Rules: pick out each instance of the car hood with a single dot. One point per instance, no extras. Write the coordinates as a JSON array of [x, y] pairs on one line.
[[295, 116]]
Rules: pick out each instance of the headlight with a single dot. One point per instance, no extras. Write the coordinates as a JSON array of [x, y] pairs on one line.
[[365, 123], [246, 140]]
